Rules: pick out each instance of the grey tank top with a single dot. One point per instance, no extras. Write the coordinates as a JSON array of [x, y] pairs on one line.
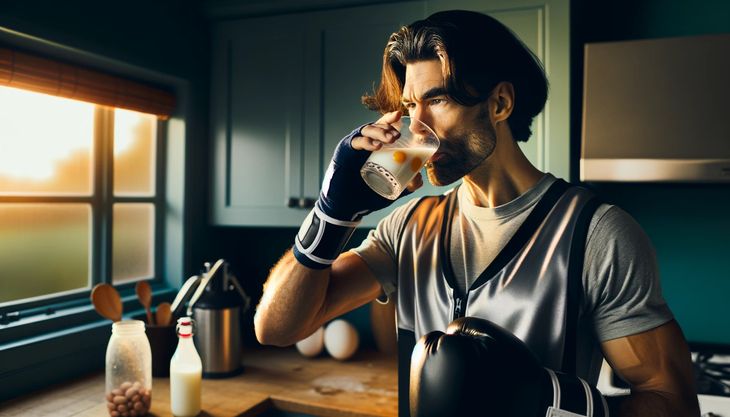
[[532, 288]]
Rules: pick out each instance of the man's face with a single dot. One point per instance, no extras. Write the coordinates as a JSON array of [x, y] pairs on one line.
[[466, 134]]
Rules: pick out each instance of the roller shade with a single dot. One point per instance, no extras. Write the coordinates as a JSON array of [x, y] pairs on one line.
[[49, 76]]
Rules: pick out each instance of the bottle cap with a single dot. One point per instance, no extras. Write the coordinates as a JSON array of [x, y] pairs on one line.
[[184, 327]]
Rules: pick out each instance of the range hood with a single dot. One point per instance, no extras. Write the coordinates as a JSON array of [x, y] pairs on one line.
[[657, 110]]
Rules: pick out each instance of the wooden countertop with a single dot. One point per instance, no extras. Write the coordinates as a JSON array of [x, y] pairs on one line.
[[273, 379]]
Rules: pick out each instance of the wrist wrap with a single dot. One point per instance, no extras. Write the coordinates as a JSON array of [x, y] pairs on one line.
[[571, 393], [321, 239]]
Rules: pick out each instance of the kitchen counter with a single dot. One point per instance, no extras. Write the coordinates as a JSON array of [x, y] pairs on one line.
[[273, 379]]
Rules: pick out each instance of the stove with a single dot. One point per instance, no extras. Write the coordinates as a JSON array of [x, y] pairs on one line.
[[712, 375], [714, 405]]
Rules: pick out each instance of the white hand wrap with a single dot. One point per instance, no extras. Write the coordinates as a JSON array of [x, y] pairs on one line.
[[321, 239]]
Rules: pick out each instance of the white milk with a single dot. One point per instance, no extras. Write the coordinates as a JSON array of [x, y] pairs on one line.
[[389, 170], [186, 372], [185, 392]]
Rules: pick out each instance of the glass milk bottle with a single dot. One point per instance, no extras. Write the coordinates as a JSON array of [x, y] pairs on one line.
[[186, 371], [128, 370]]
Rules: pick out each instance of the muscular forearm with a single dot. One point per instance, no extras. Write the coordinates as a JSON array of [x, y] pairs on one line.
[[652, 404], [292, 300]]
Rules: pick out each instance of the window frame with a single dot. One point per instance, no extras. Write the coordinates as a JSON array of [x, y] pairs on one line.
[[39, 349], [101, 203]]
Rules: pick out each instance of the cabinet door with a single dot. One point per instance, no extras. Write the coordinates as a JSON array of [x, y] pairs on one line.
[[353, 42], [543, 25], [258, 97]]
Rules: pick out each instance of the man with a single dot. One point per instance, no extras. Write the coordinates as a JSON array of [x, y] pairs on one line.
[[501, 246]]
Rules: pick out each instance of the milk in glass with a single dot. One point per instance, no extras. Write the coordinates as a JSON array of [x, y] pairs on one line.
[[389, 170]]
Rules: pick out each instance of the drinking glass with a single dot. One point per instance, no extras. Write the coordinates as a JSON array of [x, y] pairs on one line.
[[389, 169]]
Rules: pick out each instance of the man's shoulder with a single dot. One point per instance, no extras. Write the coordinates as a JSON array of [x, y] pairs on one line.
[[611, 222]]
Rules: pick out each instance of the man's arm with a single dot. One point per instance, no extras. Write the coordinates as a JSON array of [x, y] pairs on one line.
[[297, 300], [658, 366], [315, 282]]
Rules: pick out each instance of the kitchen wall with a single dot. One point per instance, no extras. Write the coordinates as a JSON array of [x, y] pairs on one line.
[[688, 224]]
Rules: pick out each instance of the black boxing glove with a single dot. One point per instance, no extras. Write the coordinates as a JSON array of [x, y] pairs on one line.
[[343, 201], [479, 369]]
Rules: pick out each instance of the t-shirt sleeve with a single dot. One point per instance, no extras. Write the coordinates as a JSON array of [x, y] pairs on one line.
[[621, 277], [379, 249]]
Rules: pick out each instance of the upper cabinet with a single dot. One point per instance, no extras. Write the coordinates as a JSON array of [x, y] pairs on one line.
[[286, 89], [259, 90]]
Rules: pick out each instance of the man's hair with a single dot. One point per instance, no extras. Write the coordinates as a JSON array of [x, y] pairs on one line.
[[477, 52]]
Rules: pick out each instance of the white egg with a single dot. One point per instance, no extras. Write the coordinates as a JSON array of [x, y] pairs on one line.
[[313, 344], [341, 339]]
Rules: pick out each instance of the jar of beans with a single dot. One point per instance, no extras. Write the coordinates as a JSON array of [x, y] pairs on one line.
[[128, 370]]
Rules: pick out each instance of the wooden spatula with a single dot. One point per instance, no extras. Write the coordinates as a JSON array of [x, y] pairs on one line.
[[144, 294], [163, 314], [107, 302]]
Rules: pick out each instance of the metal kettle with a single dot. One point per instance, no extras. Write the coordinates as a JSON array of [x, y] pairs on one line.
[[217, 307]]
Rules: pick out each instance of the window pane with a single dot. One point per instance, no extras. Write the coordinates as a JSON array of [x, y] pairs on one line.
[[46, 144], [44, 249], [134, 153], [134, 237]]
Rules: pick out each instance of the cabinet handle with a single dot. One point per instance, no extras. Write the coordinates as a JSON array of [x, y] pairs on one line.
[[301, 202], [307, 202]]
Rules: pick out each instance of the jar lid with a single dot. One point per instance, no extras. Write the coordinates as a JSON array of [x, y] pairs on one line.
[[128, 326]]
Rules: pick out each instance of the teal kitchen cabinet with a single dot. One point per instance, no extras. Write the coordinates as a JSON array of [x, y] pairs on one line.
[[286, 89], [263, 93]]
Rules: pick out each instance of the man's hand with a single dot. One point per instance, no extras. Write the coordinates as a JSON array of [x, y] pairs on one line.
[[373, 136], [344, 195], [345, 198], [480, 369]]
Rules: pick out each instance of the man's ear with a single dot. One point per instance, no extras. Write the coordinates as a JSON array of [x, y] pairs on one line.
[[503, 100]]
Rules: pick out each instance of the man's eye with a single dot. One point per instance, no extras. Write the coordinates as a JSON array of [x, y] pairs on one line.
[[410, 106], [437, 101]]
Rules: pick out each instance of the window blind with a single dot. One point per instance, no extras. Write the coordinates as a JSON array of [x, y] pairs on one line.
[[49, 76]]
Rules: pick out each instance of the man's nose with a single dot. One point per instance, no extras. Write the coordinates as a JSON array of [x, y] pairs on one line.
[[424, 118]]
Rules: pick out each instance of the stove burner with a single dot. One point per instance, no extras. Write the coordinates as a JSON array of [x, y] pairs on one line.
[[713, 378]]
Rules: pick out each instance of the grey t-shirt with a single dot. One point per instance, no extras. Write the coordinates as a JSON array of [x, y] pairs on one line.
[[622, 293]]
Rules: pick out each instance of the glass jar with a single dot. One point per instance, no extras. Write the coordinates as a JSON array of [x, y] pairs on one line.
[[128, 370]]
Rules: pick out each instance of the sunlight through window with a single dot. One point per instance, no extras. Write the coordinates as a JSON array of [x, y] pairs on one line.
[[134, 153], [45, 143], [51, 201]]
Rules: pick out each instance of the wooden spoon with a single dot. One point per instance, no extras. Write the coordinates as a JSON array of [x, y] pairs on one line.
[[144, 293], [107, 302], [163, 314]]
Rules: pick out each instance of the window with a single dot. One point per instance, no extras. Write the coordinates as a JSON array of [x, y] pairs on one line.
[[78, 182], [91, 190]]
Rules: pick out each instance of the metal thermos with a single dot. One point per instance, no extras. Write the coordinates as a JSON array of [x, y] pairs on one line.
[[217, 314]]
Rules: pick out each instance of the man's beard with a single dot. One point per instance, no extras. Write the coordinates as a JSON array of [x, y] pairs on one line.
[[462, 153]]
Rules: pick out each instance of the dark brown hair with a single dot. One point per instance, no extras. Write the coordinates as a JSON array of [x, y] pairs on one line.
[[477, 52]]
